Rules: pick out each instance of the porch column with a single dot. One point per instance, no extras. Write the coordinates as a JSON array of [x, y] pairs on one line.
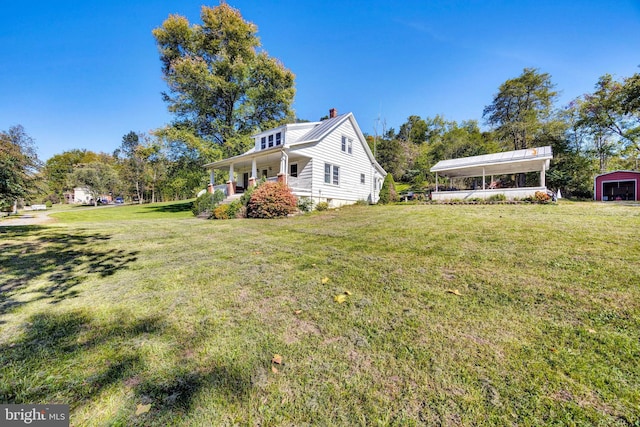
[[254, 173], [231, 184], [542, 178], [282, 175], [436, 182], [211, 181], [483, 178]]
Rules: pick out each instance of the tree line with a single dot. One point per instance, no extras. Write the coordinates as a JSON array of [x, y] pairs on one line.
[[596, 132], [223, 87]]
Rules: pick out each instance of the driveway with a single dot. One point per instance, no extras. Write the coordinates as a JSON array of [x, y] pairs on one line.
[[27, 218]]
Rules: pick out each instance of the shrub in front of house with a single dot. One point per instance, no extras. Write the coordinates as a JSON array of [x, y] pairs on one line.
[[388, 193], [322, 206], [206, 203], [271, 200], [221, 212], [305, 204], [237, 209]]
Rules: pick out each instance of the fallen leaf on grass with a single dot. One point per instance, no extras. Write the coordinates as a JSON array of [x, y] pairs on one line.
[[274, 369], [454, 291], [347, 293], [340, 298], [591, 331], [142, 409], [325, 280], [277, 359], [297, 312]]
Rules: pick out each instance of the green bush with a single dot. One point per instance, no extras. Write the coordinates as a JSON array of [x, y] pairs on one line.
[[48, 204], [497, 198], [236, 209], [221, 212], [305, 204], [207, 203], [271, 200], [322, 206], [388, 192]]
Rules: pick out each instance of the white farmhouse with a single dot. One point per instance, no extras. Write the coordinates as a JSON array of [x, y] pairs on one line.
[[327, 161]]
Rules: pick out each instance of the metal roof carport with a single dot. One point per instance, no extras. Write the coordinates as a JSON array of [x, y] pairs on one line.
[[505, 163]]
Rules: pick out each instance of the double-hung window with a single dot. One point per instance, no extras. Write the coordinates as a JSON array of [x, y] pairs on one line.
[[270, 141], [278, 138], [331, 174], [347, 145], [263, 143]]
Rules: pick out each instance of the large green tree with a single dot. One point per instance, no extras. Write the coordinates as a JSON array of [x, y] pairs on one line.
[[18, 166], [58, 169], [611, 116], [521, 111], [222, 86]]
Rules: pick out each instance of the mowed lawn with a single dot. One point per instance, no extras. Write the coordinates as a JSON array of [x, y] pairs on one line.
[[452, 315]]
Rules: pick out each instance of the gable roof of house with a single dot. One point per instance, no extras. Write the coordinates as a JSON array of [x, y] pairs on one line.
[[322, 129], [318, 132]]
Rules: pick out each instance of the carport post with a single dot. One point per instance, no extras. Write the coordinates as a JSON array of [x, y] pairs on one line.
[[483, 179]]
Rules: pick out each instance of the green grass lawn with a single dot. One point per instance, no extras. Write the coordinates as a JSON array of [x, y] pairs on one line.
[[456, 315]]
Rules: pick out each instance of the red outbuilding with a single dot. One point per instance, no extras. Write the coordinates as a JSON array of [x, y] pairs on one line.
[[618, 185]]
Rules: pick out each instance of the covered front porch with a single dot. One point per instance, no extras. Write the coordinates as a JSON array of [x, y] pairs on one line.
[[491, 166], [274, 165]]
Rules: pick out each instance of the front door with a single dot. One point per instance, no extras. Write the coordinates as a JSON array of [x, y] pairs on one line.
[[245, 180]]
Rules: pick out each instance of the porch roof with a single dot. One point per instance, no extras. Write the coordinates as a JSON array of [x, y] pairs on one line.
[[244, 160], [505, 163]]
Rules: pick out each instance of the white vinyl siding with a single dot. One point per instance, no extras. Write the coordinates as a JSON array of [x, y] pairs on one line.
[[349, 188]]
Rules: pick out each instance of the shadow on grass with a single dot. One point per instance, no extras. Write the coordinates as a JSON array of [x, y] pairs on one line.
[[172, 208], [49, 362], [74, 358], [54, 258]]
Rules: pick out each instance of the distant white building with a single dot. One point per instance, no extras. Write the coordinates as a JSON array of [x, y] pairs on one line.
[[327, 161], [81, 196]]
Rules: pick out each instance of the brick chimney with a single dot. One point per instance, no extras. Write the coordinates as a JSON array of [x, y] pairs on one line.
[[333, 113]]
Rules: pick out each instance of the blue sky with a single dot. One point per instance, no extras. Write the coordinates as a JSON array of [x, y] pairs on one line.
[[81, 74]]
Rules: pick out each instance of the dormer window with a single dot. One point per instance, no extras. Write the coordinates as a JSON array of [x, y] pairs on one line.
[[270, 141], [263, 143], [278, 138]]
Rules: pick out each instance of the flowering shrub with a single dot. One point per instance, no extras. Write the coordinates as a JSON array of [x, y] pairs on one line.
[[271, 200], [542, 197]]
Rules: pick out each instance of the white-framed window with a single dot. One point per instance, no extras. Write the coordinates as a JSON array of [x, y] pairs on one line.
[[347, 145], [270, 141], [263, 143], [361, 178], [278, 138], [331, 174], [293, 170]]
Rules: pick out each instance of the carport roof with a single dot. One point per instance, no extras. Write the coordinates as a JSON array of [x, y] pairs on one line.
[[508, 162]]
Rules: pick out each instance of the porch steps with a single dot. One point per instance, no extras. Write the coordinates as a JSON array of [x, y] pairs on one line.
[[230, 199]]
